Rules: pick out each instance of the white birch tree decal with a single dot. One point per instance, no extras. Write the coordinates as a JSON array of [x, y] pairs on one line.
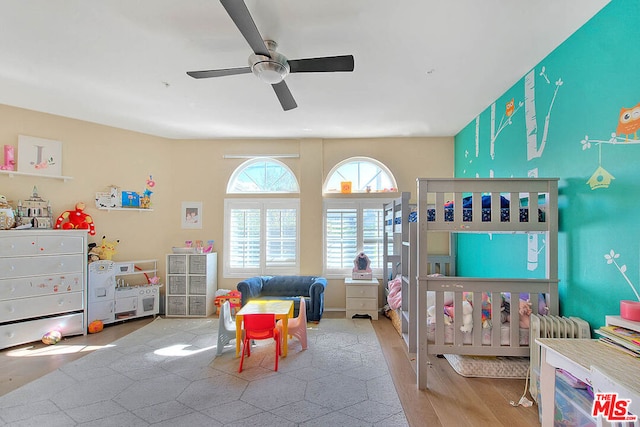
[[531, 120]]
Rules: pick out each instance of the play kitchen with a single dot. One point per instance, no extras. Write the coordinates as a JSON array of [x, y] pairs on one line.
[[123, 290]]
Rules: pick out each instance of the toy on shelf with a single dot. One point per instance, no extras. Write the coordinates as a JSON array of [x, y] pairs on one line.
[[34, 212], [209, 248], [77, 219], [9, 159], [108, 249], [145, 200], [7, 216]]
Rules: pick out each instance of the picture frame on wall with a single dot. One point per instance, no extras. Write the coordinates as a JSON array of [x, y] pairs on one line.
[[191, 214], [39, 156]]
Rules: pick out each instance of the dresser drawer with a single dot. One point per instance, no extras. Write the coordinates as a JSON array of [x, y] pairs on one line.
[[33, 330], [33, 266], [24, 308], [362, 291], [362, 304], [41, 285], [41, 245]]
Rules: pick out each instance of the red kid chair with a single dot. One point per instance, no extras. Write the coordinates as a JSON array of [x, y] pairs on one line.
[[259, 327]]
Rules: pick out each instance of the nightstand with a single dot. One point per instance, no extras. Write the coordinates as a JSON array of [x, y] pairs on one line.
[[362, 297]]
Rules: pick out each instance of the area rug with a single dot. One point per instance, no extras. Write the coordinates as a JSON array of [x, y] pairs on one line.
[[167, 373], [489, 366]]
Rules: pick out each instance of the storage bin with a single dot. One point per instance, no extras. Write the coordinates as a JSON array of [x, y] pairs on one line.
[[572, 405], [198, 306], [198, 285], [177, 285], [176, 306]]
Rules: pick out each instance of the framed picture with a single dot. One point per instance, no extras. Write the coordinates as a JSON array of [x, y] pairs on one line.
[[191, 214], [40, 156]]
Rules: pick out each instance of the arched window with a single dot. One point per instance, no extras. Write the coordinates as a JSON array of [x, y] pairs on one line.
[[262, 175], [261, 232], [366, 175], [355, 224]]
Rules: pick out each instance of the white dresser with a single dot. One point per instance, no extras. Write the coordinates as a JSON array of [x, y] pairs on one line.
[[362, 297], [43, 281]]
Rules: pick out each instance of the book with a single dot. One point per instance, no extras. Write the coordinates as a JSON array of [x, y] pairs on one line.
[[610, 343], [611, 338], [624, 333]]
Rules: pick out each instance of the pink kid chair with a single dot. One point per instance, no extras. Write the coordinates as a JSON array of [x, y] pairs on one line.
[[297, 327], [259, 327]]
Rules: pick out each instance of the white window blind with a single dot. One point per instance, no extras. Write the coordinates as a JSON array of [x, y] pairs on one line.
[[261, 237], [351, 227], [341, 237]]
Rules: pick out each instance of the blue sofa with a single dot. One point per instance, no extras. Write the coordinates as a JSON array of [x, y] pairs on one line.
[[289, 288]]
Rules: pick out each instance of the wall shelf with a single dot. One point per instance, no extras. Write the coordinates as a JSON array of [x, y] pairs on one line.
[[16, 173], [127, 209]]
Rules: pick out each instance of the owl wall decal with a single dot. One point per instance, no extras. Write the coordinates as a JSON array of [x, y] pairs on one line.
[[629, 122], [510, 108]]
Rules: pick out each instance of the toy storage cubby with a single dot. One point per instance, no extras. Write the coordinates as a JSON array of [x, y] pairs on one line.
[[191, 285]]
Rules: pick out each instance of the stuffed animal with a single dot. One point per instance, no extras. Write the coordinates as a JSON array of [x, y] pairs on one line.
[[94, 253], [524, 310], [525, 314], [77, 219], [467, 316], [108, 249]]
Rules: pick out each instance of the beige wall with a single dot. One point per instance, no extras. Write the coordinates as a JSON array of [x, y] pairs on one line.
[[195, 170]]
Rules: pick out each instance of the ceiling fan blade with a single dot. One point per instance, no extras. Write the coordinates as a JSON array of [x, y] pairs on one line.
[[322, 65], [240, 15], [219, 73], [284, 95]]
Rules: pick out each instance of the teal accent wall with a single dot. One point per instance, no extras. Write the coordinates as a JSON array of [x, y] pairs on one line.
[[564, 123]]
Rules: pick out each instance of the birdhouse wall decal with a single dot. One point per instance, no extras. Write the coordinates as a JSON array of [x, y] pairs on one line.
[[600, 179]]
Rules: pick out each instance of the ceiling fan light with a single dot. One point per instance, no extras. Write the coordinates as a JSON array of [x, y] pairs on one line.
[[270, 71]]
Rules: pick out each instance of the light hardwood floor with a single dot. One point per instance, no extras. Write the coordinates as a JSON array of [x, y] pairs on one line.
[[451, 400]]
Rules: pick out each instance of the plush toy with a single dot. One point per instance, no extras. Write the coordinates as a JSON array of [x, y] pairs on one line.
[[93, 255], [486, 307], [525, 314], [108, 249], [77, 219], [524, 310], [52, 337], [467, 316], [486, 311]]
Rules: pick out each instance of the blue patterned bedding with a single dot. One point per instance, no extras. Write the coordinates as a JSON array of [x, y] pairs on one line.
[[467, 212]]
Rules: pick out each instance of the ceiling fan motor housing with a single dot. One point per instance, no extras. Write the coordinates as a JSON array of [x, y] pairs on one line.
[[272, 69]]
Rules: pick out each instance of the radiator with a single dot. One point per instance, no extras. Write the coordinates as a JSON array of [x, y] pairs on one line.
[[550, 326]]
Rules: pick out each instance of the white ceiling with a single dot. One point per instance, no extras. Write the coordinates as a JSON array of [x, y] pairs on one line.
[[422, 67]]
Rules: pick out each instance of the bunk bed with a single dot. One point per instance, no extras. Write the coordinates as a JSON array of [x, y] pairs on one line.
[[467, 205], [399, 255]]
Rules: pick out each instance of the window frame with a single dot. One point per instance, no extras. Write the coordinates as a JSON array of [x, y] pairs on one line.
[[382, 168], [359, 204], [263, 204], [247, 164]]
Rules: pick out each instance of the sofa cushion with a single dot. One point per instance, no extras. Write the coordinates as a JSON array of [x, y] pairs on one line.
[[287, 287], [283, 286]]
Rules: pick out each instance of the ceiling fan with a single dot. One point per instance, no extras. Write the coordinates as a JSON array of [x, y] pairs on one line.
[[271, 66]]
